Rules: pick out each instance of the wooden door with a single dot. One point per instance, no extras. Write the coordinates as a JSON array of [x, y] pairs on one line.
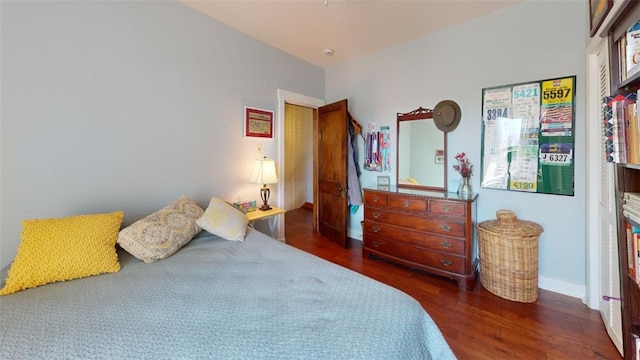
[[332, 141]]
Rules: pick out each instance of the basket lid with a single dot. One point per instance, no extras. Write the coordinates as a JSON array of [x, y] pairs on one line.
[[507, 223]]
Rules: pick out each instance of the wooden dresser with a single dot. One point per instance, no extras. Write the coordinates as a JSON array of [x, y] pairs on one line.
[[430, 231]]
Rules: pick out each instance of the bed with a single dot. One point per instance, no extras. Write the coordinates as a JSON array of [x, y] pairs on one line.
[[219, 299]]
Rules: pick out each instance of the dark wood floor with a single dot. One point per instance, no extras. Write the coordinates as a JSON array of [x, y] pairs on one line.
[[476, 324]]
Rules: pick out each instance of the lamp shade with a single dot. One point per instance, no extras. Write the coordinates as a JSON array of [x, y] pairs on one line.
[[264, 172]]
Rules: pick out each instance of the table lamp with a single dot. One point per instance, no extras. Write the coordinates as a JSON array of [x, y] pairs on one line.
[[264, 172]]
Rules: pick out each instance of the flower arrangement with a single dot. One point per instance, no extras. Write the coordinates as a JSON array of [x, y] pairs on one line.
[[464, 166]]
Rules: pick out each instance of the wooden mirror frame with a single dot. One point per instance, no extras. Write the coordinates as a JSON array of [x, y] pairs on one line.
[[420, 114]]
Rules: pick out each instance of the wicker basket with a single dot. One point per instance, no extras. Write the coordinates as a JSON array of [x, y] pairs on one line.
[[508, 250]]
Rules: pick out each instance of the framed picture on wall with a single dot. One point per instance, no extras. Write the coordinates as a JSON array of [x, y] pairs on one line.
[[598, 10], [258, 123], [384, 180]]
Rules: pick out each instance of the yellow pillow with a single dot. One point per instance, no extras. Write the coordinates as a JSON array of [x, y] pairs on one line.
[[64, 249], [224, 220]]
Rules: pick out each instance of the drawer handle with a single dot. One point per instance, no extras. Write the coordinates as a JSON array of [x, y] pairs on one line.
[[446, 208], [376, 214], [376, 198], [406, 203], [376, 244], [445, 227], [446, 262], [375, 229], [445, 245]]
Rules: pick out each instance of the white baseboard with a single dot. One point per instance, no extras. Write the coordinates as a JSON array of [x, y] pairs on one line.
[[354, 234], [562, 287]]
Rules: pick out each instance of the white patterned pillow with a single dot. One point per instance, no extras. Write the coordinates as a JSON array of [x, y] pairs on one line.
[[224, 220], [162, 233]]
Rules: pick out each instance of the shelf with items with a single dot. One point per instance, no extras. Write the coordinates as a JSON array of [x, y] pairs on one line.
[[627, 201], [633, 260], [632, 294], [624, 38], [628, 54], [622, 128], [622, 138], [621, 116]]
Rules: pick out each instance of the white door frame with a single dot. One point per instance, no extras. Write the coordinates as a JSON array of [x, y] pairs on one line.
[[288, 97], [594, 152], [601, 255]]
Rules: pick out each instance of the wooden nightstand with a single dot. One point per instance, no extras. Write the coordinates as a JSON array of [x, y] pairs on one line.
[[270, 215]]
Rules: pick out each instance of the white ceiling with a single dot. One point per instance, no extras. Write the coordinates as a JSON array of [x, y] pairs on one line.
[[354, 28]]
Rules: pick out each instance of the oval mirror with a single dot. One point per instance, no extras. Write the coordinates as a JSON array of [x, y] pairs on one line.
[[422, 151]]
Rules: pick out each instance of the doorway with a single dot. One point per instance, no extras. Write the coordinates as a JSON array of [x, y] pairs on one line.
[[286, 97], [298, 156]]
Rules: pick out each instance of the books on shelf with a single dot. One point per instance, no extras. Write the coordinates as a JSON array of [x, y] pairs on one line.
[[631, 252], [621, 128], [628, 48], [631, 215], [612, 129], [631, 202], [632, 50], [621, 46], [632, 208], [631, 195], [632, 134]]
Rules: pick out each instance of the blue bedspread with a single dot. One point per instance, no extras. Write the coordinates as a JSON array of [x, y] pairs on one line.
[[217, 299]]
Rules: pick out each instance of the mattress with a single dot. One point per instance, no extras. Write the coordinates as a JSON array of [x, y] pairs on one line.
[[218, 299]]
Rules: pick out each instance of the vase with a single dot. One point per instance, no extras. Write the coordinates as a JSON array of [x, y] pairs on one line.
[[464, 189]]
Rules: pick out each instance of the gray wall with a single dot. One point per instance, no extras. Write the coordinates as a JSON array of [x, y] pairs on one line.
[[127, 105], [531, 41]]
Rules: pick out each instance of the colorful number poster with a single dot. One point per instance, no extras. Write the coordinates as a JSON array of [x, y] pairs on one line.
[[528, 136]]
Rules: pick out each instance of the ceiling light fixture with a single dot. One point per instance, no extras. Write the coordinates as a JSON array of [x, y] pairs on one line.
[[329, 51]]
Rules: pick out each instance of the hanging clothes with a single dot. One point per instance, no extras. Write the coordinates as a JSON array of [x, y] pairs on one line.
[[378, 150], [354, 191]]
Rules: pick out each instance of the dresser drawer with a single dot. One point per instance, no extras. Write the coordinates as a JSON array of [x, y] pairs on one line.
[[375, 199], [391, 248], [407, 203], [432, 225], [446, 208], [443, 261], [416, 255], [416, 238]]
